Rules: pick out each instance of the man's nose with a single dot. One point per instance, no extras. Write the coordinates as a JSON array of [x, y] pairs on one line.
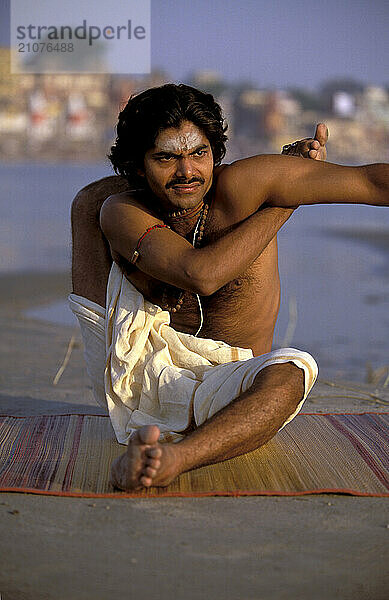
[[184, 167]]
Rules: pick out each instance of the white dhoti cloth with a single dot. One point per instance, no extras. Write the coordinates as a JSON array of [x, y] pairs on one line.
[[144, 372]]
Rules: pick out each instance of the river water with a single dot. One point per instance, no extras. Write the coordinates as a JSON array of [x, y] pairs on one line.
[[334, 264]]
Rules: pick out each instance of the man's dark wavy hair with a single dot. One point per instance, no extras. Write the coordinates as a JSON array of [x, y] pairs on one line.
[[148, 113]]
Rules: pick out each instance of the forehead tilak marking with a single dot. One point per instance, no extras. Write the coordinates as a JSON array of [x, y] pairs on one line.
[[177, 143]]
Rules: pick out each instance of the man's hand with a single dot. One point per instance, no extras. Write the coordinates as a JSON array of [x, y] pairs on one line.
[[314, 148]]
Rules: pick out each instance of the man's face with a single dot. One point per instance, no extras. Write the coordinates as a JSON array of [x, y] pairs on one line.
[[179, 168]]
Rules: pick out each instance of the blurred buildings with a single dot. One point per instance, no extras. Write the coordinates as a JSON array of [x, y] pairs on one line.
[[72, 116]]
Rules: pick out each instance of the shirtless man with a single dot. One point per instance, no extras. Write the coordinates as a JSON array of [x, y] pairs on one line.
[[234, 271]]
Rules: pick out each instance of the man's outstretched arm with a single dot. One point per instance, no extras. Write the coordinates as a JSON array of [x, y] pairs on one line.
[[289, 181], [325, 183]]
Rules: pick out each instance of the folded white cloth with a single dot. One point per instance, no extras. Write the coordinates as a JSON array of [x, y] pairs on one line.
[[145, 372]]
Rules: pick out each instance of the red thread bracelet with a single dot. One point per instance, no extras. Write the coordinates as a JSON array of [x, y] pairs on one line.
[[135, 254]]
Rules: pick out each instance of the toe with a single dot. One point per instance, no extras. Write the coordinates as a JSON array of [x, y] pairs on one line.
[[150, 472], [154, 463], [146, 481], [149, 434], [312, 153], [154, 452]]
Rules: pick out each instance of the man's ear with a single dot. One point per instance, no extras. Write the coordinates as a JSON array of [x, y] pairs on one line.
[[140, 172]]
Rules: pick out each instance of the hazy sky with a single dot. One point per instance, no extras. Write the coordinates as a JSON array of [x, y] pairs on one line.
[[270, 42]]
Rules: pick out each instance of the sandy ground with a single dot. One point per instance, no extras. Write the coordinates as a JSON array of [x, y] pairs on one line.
[[258, 548]]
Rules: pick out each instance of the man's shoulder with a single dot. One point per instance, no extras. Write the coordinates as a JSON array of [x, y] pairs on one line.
[[242, 165], [91, 197], [244, 184], [104, 187]]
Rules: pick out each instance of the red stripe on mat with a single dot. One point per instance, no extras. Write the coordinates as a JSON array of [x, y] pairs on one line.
[[369, 460]]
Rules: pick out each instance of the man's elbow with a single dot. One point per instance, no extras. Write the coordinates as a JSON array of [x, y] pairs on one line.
[[79, 208], [205, 288], [201, 284], [84, 205]]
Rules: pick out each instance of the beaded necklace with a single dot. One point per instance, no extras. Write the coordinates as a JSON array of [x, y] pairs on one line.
[[197, 237], [186, 213]]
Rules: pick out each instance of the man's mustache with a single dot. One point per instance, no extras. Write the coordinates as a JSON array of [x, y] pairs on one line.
[[183, 181]]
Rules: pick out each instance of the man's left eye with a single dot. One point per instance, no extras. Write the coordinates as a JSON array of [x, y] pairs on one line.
[[200, 153]]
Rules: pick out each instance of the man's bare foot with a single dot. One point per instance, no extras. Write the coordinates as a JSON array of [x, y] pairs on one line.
[[146, 462]]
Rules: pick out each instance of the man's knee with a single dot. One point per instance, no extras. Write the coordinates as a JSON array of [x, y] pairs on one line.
[[286, 378]]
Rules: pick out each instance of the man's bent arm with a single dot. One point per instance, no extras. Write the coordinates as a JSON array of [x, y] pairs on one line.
[[169, 257], [88, 204]]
